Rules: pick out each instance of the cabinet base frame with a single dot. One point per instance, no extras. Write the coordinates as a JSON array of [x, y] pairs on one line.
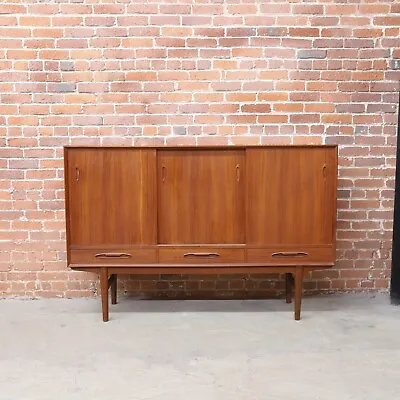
[[294, 276]]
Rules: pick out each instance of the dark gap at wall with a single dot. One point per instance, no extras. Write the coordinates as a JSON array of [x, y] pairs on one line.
[[395, 279]]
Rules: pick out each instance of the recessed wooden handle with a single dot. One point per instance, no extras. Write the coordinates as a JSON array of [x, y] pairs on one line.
[[113, 255], [163, 173], [201, 255], [290, 254]]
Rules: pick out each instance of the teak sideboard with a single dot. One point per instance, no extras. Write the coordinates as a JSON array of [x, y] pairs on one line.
[[200, 210]]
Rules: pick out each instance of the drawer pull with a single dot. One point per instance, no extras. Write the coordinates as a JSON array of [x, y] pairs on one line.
[[290, 254], [113, 255], [201, 255]]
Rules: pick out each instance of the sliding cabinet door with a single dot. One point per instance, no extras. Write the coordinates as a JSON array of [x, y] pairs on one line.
[[201, 196], [111, 197]]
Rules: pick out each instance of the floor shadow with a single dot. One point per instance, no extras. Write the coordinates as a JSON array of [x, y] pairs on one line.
[[310, 303]]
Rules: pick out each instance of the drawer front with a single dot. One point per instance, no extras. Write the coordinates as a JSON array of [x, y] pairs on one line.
[[114, 256], [292, 255], [200, 255]]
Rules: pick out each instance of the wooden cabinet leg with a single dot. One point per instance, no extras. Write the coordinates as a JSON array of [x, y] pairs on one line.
[[298, 288], [289, 287], [104, 292], [114, 287]]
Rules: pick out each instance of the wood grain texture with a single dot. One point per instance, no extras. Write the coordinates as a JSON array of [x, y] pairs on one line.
[[291, 196], [104, 292], [112, 197], [194, 255], [105, 255], [201, 196], [204, 269], [298, 291], [284, 254]]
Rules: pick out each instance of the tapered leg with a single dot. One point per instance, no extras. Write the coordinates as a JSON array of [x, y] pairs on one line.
[[114, 289], [104, 292], [289, 287], [298, 288]]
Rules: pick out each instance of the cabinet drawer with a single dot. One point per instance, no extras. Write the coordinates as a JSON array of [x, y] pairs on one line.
[[200, 255], [114, 256], [292, 255]]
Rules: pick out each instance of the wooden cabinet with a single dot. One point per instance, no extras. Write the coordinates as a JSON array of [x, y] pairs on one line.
[[201, 197], [111, 197], [201, 210], [291, 195]]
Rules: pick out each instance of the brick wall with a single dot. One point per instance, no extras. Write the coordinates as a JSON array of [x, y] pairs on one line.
[[194, 72]]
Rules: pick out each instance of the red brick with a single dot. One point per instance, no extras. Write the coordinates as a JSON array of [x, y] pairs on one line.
[[6, 20], [288, 107], [256, 108], [387, 21], [76, 8], [105, 42], [209, 32], [196, 20], [125, 86], [204, 75], [175, 9], [305, 118], [336, 75], [341, 9], [12, 9], [273, 119], [209, 119], [215, 53], [303, 32], [34, 21], [367, 32], [175, 97], [53, 54], [202, 42], [324, 21], [176, 32], [324, 87], [337, 32], [307, 9], [170, 42], [143, 53], [337, 118], [102, 21], [241, 32], [374, 9], [21, 54], [272, 96], [72, 43], [109, 8], [182, 53]]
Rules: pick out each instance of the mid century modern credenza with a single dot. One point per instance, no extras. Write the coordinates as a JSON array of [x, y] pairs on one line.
[[200, 210]]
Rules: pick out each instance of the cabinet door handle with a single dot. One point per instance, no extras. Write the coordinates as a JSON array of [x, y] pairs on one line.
[[77, 174], [163, 172], [113, 255], [237, 172], [290, 254], [201, 255]]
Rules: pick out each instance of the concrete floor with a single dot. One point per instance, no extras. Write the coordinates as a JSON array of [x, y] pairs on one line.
[[345, 347]]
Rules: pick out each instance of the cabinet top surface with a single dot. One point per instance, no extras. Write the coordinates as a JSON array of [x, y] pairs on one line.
[[216, 147]]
